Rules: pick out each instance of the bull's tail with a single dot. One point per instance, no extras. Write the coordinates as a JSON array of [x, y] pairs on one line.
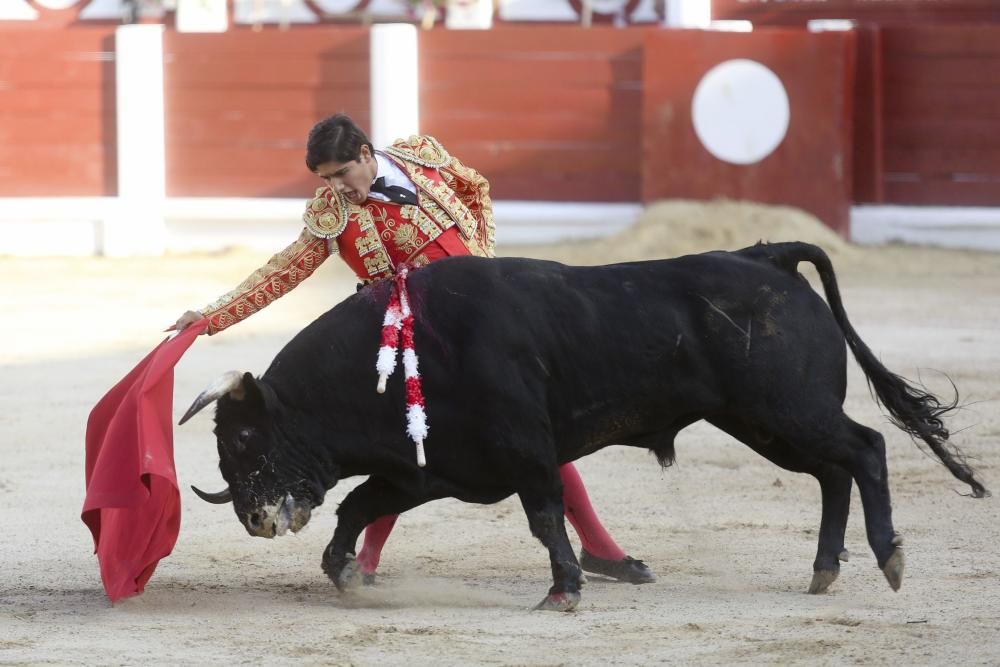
[[916, 412]]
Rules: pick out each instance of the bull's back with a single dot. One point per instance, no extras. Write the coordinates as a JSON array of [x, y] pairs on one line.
[[606, 349], [658, 337]]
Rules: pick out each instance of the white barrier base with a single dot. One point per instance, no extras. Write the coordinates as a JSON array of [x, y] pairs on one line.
[[79, 226], [973, 228], [74, 226]]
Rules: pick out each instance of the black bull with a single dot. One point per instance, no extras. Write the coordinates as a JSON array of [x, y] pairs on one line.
[[530, 364]]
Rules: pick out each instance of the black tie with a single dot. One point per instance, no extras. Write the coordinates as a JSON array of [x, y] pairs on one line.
[[395, 193]]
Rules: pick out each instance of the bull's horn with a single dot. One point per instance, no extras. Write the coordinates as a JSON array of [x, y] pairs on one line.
[[224, 384], [220, 498]]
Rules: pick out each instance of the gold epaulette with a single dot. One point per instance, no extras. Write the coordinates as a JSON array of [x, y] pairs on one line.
[[326, 214], [420, 149]]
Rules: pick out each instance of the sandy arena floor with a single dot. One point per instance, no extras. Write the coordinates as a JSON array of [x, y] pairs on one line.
[[730, 536]]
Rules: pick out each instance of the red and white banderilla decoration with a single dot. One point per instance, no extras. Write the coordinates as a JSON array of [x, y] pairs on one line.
[[399, 320]]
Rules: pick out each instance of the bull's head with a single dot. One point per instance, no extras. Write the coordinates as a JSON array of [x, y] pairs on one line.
[[272, 489]]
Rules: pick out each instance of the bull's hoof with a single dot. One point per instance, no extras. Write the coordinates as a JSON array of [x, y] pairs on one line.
[[344, 571], [821, 581], [844, 556], [349, 577], [559, 602], [893, 569]]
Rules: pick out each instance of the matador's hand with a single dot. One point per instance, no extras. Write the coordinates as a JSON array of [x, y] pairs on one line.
[[187, 319]]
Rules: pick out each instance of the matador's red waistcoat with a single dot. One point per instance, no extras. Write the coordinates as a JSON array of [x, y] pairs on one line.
[[453, 216]]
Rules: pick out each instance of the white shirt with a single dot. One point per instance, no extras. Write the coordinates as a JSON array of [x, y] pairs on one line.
[[393, 176]]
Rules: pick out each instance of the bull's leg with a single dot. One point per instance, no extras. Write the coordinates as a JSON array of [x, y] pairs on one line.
[[545, 518], [368, 501], [835, 486], [872, 475]]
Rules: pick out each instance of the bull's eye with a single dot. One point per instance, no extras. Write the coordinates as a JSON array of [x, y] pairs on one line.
[[242, 438]]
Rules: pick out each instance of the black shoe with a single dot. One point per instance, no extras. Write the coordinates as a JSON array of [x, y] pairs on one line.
[[627, 569], [368, 579]]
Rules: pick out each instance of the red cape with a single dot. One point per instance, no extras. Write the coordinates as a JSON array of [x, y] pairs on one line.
[[133, 506]]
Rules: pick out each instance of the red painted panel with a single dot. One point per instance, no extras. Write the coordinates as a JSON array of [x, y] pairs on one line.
[[942, 192], [811, 168], [235, 171], [532, 99], [923, 102], [590, 186], [57, 112], [566, 70], [525, 40], [55, 170], [547, 113], [273, 45], [543, 129], [571, 158], [883, 12], [936, 40], [942, 115], [947, 161], [20, 100], [943, 133], [230, 103], [262, 72], [964, 71], [868, 117], [240, 106]]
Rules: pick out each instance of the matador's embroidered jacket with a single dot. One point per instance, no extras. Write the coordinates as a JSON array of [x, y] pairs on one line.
[[453, 216]]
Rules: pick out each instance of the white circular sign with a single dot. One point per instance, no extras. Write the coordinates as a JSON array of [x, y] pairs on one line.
[[740, 111]]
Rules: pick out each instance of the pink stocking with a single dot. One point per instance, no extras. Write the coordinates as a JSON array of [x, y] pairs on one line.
[[376, 534], [594, 538]]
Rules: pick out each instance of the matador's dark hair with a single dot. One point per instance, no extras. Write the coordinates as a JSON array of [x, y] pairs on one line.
[[335, 139]]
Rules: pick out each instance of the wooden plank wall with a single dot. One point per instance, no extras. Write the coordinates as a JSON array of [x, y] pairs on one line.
[[941, 99], [239, 106], [545, 113], [57, 112], [878, 12]]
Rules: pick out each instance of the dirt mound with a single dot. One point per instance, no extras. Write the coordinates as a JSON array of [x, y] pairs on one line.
[[681, 227]]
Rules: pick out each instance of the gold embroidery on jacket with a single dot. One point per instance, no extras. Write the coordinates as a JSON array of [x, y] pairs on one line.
[[474, 191], [282, 273], [377, 266], [406, 238], [319, 202], [431, 221], [369, 242], [463, 196], [326, 219], [423, 150], [446, 200]]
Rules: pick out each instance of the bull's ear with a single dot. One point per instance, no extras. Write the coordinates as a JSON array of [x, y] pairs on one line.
[[260, 395], [246, 388]]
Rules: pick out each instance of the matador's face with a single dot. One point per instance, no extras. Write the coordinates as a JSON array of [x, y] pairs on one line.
[[352, 179]]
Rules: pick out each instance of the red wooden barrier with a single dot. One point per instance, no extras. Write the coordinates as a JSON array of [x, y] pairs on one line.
[[545, 113], [239, 106], [942, 114], [57, 112], [881, 12]]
